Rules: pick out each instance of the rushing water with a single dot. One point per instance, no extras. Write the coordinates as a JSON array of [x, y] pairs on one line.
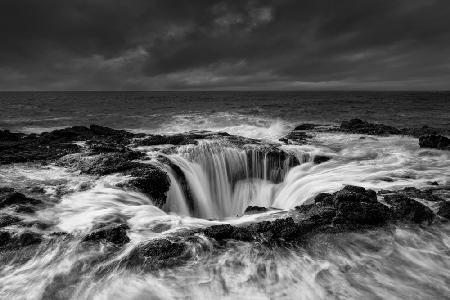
[[219, 181]]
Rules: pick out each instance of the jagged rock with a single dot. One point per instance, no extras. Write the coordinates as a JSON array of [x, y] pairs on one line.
[[407, 209], [157, 254], [434, 141], [15, 241], [116, 234], [363, 127], [7, 220], [177, 139], [17, 199], [444, 209], [8, 136], [298, 137], [149, 180], [102, 164], [305, 126], [55, 144], [254, 210]]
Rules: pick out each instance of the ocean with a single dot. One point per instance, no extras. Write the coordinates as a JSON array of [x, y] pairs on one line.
[[248, 113], [212, 181]]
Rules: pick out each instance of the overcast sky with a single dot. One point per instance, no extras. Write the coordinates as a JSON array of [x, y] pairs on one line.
[[218, 45]]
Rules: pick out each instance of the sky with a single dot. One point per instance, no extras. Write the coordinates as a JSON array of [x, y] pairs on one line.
[[224, 45]]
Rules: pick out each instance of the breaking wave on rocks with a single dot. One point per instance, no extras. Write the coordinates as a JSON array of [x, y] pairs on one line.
[[240, 177]]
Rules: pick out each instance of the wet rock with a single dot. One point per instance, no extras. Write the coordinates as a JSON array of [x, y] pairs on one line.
[[102, 164], [17, 199], [159, 253], [407, 209], [269, 162], [8, 220], [150, 180], [55, 144], [116, 234], [434, 141], [425, 130], [318, 159], [362, 127], [444, 209], [305, 126], [254, 210], [298, 137], [177, 139], [8, 136], [15, 241]]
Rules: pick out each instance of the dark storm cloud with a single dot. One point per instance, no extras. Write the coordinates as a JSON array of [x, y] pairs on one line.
[[176, 44]]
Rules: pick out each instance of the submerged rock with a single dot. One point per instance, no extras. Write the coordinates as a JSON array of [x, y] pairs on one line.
[[116, 234], [434, 141]]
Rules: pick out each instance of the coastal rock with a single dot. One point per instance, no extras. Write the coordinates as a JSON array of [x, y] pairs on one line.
[[177, 139], [362, 127], [156, 254], [15, 148], [7, 220], [434, 141], [407, 209], [17, 199], [10, 241], [305, 126], [254, 210], [150, 180], [318, 159], [8, 136], [116, 234], [102, 164], [444, 209]]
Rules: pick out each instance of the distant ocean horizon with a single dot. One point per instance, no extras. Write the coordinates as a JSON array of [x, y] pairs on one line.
[[250, 113]]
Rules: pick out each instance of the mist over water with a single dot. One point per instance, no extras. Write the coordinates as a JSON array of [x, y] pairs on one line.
[[220, 181]]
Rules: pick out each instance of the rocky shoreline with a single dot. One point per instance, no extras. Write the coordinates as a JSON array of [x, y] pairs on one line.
[[101, 151]]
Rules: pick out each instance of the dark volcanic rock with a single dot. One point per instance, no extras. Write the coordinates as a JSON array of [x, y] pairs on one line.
[[15, 241], [150, 180], [254, 210], [305, 126], [351, 208], [407, 209], [102, 164], [7, 220], [17, 199], [7, 136], [157, 254], [444, 209], [318, 159], [177, 139], [55, 144], [434, 141], [116, 234], [363, 127], [298, 137]]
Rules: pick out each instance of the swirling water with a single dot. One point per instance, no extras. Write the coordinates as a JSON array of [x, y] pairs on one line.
[[391, 263]]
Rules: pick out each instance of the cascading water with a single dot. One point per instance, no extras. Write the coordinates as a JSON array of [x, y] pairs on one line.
[[221, 180]]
